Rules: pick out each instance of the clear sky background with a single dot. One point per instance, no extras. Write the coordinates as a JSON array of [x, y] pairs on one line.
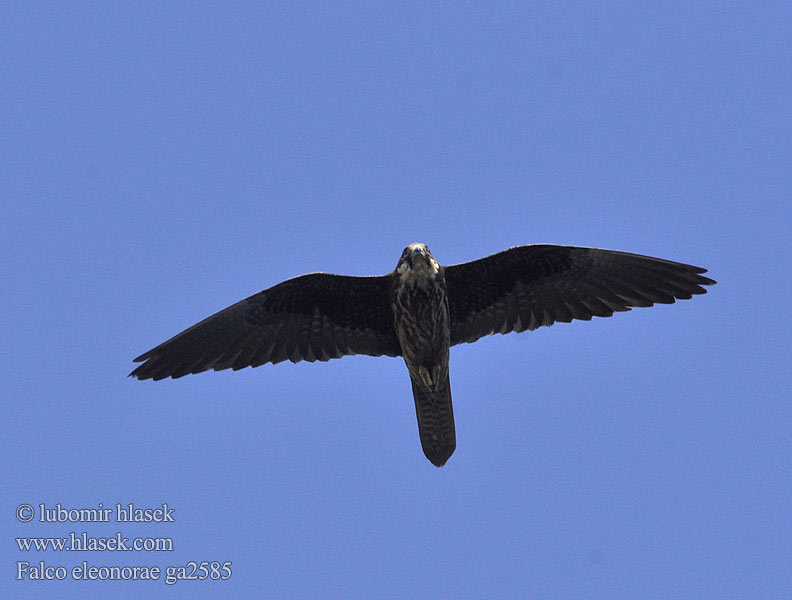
[[162, 161]]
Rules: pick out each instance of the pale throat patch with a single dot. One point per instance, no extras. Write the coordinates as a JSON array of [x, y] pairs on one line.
[[419, 270]]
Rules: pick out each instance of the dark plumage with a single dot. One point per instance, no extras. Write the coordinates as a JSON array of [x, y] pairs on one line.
[[418, 311]]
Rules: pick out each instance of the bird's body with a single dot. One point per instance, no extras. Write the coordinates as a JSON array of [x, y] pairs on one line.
[[418, 312], [421, 320]]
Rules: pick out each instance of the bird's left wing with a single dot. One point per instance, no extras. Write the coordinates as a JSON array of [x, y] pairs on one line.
[[312, 317], [529, 286]]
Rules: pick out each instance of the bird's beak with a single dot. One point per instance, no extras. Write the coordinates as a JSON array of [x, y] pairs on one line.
[[417, 253]]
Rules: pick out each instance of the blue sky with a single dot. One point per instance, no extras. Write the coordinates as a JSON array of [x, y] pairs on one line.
[[162, 161]]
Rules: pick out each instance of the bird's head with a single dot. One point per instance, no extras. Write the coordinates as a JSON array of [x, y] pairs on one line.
[[417, 260]]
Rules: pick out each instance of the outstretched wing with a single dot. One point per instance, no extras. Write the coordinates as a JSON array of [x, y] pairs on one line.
[[530, 286], [311, 317]]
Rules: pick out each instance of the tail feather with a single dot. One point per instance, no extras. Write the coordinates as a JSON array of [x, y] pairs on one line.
[[435, 422]]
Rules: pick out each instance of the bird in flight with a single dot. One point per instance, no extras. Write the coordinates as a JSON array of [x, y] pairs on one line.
[[418, 312]]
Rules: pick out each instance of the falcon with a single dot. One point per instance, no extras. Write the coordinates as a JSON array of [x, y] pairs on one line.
[[418, 312]]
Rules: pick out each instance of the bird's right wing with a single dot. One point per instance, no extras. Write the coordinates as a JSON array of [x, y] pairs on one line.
[[529, 286], [312, 317]]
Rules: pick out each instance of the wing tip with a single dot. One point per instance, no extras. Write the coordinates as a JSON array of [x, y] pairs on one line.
[[151, 370], [144, 372]]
